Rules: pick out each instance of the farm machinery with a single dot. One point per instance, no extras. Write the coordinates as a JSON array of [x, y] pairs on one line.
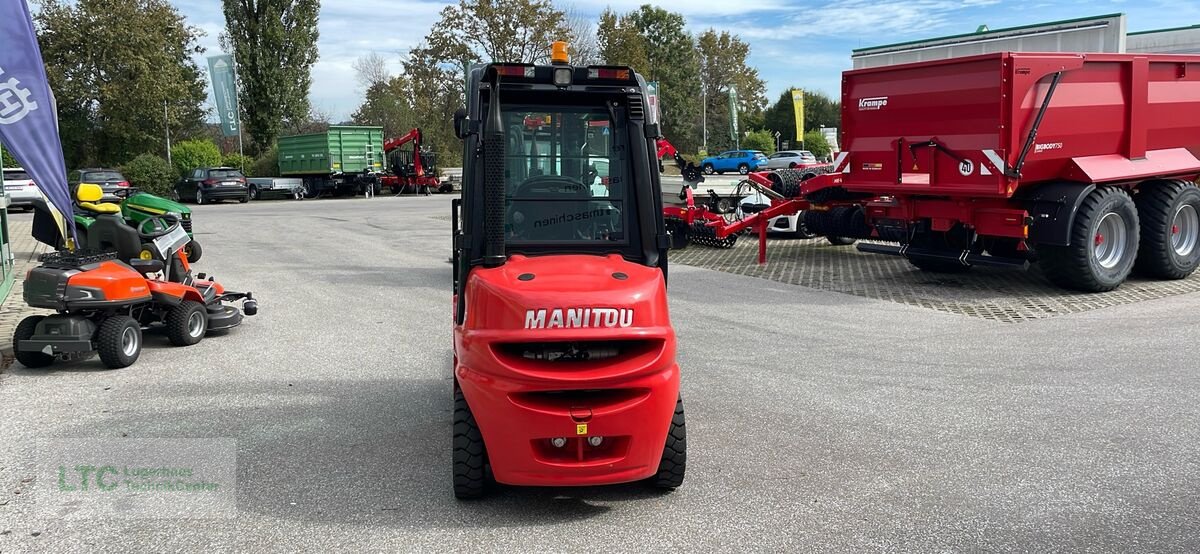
[[1083, 163], [411, 170], [564, 370]]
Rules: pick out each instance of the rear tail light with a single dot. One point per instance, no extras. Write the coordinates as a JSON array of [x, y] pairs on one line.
[[608, 73], [210, 182], [123, 184], [525, 71]]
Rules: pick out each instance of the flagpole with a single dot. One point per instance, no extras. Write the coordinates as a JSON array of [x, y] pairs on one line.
[[167, 128]]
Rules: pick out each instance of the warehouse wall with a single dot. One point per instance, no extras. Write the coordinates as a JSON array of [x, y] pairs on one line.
[[1167, 41]]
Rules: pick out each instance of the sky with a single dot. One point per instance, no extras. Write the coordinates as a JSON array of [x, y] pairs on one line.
[[794, 43]]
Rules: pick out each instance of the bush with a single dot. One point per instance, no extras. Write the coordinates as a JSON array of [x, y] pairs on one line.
[[191, 154], [239, 161], [8, 160], [816, 143], [150, 173], [267, 165], [761, 139]]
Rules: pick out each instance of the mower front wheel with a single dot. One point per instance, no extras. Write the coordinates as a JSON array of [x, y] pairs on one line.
[[25, 330], [186, 323], [193, 251], [470, 457], [674, 457], [119, 341]]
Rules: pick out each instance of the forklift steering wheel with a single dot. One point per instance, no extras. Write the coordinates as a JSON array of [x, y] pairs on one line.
[[158, 226]]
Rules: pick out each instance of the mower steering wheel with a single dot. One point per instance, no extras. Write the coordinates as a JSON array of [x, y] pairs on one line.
[[159, 226]]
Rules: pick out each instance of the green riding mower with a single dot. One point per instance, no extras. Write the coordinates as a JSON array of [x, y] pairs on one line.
[[137, 207]]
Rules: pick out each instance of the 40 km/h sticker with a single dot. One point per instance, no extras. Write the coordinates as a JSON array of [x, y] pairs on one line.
[[966, 167]]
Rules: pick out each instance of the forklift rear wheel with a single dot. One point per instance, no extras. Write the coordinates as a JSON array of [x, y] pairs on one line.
[[1104, 244], [25, 330], [186, 323], [469, 457], [193, 251], [119, 341], [674, 457]]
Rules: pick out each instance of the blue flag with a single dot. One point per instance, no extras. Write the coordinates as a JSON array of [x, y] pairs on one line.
[[28, 122]]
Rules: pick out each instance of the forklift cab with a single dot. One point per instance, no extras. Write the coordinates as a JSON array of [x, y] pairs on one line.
[[557, 159]]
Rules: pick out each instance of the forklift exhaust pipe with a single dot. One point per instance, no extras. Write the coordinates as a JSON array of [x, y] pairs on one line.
[[493, 179]]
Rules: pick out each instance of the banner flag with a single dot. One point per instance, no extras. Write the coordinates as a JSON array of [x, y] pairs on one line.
[[220, 71], [28, 118], [798, 109]]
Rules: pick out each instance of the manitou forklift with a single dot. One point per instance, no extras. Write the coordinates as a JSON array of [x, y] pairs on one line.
[[564, 354]]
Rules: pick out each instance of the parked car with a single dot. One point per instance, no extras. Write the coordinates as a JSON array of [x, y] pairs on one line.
[[110, 180], [741, 161], [20, 188], [790, 159], [210, 184]]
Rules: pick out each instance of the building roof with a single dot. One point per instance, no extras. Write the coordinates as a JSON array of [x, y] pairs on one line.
[[991, 32]]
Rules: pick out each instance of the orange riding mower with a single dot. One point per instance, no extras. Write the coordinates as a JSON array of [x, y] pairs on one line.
[[124, 280]]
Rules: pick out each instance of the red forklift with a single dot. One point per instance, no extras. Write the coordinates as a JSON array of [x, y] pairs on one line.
[[564, 353], [411, 171]]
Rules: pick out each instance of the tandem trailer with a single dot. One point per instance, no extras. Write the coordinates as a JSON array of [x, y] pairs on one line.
[[342, 161]]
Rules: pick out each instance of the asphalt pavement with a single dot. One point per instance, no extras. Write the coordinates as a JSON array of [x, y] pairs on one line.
[[817, 421]]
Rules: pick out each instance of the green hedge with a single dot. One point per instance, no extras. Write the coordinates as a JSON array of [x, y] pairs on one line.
[[150, 173], [191, 154]]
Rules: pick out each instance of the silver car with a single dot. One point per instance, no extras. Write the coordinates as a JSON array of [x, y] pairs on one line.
[[788, 159], [20, 188]]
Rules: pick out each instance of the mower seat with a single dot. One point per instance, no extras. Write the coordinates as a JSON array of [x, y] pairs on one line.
[[88, 196], [111, 232]]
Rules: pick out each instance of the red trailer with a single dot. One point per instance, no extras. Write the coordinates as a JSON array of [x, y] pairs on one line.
[[1083, 162]]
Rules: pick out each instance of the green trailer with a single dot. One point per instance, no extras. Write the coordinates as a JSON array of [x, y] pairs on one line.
[[340, 161]]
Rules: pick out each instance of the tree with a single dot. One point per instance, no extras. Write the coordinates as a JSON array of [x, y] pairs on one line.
[[724, 68], [150, 173], [371, 69], [8, 160], [476, 31], [114, 66], [761, 139], [815, 142], [436, 92], [581, 37], [388, 105], [819, 111], [672, 62], [620, 43], [193, 154], [274, 45]]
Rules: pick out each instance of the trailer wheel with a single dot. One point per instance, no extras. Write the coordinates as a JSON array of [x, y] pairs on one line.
[[470, 456], [254, 193], [1170, 218], [186, 323], [119, 341], [25, 330], [1104, 244], [673, 464]]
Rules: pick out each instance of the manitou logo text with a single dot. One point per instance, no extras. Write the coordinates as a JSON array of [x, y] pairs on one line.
[[869, 104], [570, 318]]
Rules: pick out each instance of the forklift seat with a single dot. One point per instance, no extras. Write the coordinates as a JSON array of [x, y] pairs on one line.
[[88, 197]]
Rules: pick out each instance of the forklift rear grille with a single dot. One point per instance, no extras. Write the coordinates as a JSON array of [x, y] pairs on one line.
[[636, 109], [576, 351]]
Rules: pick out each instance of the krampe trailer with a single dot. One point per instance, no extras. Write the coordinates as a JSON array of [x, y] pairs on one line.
[[1083, 163], [340, 161]]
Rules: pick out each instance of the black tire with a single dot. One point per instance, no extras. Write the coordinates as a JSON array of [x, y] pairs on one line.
[[186, 323], [24, 331], [802, 231], [786, 182], [1170, 247], [244, 199], [199, 197], [709, 169], [724, 206], [111, 341], [470, 455], [792, 165], [841, 241], [1075, 266], [743, 169], [446, 188], [255, 194], [193, 251], [673, 464]]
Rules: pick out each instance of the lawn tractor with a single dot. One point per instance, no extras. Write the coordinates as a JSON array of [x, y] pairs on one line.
[[138, 206], [124, 280], [564, 353]]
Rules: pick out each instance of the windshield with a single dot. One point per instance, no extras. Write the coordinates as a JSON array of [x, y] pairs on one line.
[[224, 174], [15, 175], [101, 176], [565, 175]]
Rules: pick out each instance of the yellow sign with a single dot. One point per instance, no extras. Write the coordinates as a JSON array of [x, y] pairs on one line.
[[798, 109], [580, 428]]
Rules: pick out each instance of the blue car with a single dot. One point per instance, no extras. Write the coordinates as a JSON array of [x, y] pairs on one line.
[[741, 161]]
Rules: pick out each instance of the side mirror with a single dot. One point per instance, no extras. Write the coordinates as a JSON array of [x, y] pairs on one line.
[[460, 123]]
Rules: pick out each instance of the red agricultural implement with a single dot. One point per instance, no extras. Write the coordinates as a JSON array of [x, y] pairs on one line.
[[1084, 163], [411, 171]]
